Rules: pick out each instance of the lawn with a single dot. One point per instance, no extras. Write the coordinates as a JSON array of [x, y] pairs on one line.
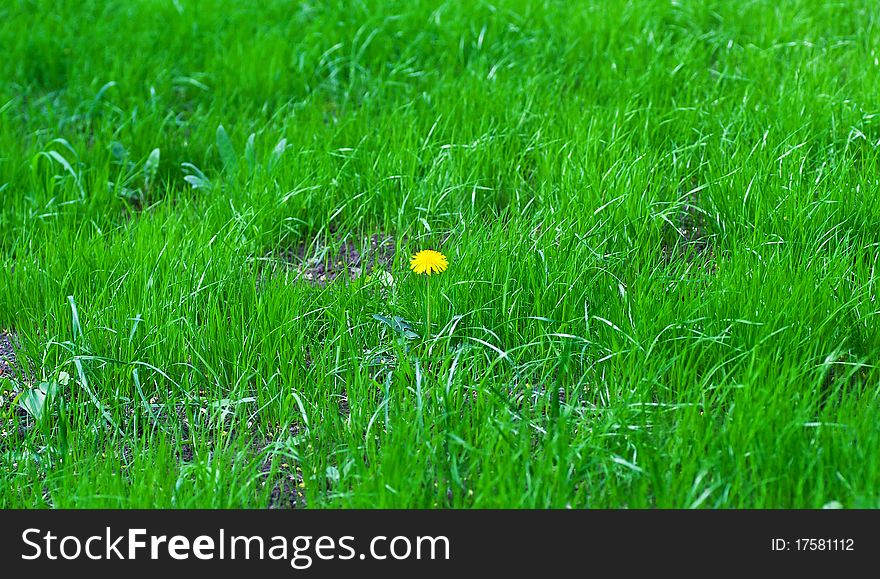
[[661, 220]]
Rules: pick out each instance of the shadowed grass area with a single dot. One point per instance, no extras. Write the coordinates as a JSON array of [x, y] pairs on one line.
[[661, 221]]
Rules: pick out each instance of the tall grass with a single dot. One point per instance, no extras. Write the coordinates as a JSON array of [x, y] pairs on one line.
[[661, 221]]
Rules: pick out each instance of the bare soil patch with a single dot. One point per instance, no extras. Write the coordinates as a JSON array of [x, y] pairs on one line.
[[7, 353], [319, 263], [691, 237]]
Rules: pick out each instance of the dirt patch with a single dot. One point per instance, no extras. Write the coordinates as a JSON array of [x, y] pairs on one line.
[[344, 407], [7, 354], [287, 481], [279, 473], [18, 425], [690, 238], [186, 453], [319, 263], [694, 229], [287, 487]]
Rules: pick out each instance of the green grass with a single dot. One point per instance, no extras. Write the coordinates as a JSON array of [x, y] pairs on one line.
[[661, 220]]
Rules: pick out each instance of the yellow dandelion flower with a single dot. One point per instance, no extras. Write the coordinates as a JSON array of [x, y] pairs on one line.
[[428, 261]]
